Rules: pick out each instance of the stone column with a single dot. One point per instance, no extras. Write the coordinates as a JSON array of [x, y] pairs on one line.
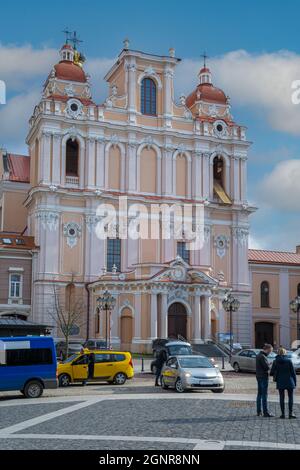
[[45, 157], [132, 167], [164, 315], [131, 70], [168, 86], [56, 159], [236, 179], [137, 318], [100, 163], [91, 164], [206, 176], [167, 171], [153, 328], [197, 317], [207, 317], [196, 175]]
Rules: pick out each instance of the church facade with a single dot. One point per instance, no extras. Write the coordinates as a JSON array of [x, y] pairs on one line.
[[142, 145]]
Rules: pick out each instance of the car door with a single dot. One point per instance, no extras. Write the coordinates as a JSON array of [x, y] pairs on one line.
[[173, 371], [168, 371], [104, 366], [251, 361], [80, 367], [243, 359]]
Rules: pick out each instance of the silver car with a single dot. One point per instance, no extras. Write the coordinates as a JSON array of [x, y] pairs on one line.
[[192, 373], [245, 360], [295, 358]]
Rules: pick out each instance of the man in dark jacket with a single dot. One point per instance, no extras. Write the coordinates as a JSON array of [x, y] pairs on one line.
[[161, 359], [262, 377]]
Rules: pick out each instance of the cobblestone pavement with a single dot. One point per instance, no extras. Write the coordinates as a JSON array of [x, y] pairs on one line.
[[141, 416]]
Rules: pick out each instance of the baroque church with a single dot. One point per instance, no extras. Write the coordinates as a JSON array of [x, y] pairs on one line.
[[144, 145]]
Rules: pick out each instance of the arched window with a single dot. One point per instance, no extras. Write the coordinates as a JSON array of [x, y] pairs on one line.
[[219, 170], [72, 157], [264, 294], [148, 97]]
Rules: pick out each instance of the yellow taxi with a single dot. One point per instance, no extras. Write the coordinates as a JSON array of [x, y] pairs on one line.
[[96, 366]]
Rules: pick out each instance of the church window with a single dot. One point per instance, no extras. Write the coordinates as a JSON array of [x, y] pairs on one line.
[[148, 97], [183, 252], [113, 255], [264, 294], [72, 154]]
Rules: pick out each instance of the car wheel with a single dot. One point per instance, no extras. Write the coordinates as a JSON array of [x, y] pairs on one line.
[[64, 380], [179, 386], [120, 378], [163, 384], [33, 389], [219, 390], [236, 367]]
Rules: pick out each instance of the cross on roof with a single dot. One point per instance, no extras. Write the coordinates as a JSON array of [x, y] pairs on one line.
[[75, 39], [205, 56], [68, 34]]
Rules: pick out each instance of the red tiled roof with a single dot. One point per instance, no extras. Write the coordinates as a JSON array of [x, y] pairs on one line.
[[273, 257], [19, 168]]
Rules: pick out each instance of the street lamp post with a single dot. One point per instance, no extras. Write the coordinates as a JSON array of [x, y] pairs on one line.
[[106, 303], [295, 306], [230, 304]]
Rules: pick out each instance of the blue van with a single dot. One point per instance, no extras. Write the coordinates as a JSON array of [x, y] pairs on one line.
[[28, 364]]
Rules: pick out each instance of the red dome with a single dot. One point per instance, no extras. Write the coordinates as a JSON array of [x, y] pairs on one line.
[[66, 70], [207, 93]]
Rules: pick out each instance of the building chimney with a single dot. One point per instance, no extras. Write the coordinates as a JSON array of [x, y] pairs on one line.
[[298, 249]]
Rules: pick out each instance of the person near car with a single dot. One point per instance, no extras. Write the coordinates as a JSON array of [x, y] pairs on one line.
[[91, 366], [161, 359], [284, 375], [262, 377]]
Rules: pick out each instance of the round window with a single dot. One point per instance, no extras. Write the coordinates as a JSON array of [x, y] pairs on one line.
[[219, 128], [74, 107], [72, 232]]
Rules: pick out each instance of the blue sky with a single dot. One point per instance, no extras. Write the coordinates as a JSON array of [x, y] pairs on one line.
[[254, 51]]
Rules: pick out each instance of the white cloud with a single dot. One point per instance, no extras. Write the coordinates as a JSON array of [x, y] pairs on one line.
[[262, 82], [20, 65], [280, 189]]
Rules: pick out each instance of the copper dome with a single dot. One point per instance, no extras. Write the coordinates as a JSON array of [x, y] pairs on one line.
[[66, 70], [206, 92]]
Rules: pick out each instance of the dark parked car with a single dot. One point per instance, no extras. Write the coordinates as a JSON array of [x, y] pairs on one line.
[[61, 348], [93, 344], [170, 348]]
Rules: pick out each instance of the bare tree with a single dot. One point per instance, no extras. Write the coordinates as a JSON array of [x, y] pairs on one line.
[[68, 310]]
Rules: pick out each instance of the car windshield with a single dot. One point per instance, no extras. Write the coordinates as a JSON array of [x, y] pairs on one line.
[[70, 358], [195, 362], [178, 350]]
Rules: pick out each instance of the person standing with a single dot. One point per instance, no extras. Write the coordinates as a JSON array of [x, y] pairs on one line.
[[285, 377], [161, 359], [262, 377]]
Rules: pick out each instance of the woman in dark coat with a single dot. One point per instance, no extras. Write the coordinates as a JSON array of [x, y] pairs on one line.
[[285, 377]]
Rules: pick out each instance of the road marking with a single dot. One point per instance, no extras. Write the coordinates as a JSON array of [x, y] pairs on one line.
[[209, 445], [199, 444], [141, 396], [46, 417]]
